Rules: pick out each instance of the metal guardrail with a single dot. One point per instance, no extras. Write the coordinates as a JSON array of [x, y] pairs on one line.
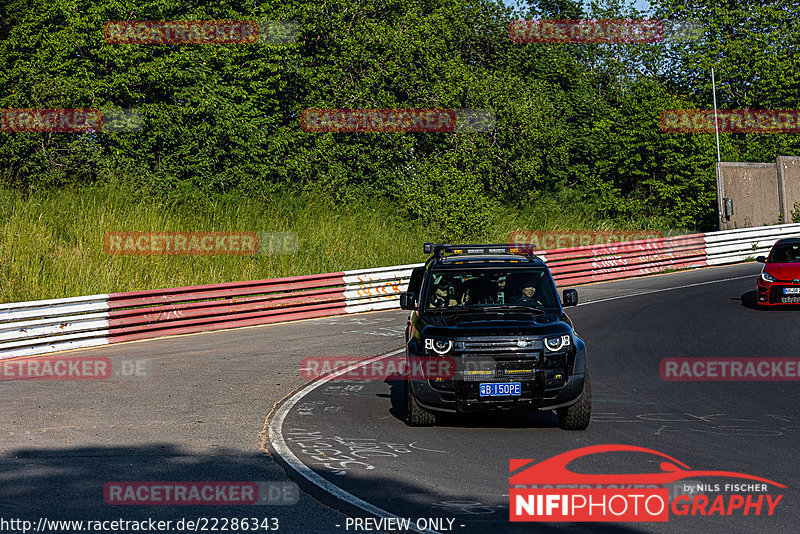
[[597, 263], [38, 327], [732, 246]]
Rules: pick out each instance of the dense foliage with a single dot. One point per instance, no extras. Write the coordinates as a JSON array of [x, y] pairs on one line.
[[573, 121]]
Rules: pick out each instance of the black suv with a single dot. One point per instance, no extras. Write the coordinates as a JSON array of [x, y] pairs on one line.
[[494, 311]]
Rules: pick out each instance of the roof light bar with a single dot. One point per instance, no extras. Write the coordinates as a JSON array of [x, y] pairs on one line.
[[499, 248]]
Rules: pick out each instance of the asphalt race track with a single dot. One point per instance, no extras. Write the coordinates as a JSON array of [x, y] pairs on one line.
[[232, 406]]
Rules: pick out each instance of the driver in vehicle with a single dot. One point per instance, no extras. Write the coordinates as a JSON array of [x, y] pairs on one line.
[[527, 296], [528, 292]]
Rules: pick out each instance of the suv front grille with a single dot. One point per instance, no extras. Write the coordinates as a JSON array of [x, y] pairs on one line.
[[493, 370], [498, 360], [506, 360], [493, 344]]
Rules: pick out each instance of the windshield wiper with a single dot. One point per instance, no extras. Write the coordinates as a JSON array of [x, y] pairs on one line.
[[484, 309], [452, 309], [533, 307]]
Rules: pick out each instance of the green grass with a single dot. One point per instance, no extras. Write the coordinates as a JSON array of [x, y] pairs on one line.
[[51, 242]]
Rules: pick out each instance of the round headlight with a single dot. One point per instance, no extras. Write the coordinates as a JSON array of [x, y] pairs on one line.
[[767, 277], [442, 346], [557, 343]]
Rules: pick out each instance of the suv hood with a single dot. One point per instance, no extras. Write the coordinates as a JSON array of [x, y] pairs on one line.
[[492, 323]]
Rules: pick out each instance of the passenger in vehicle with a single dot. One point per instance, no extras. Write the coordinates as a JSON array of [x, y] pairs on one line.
[[443, 297]]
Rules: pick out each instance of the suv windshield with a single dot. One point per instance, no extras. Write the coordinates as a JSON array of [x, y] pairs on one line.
[[785, 254], [480, 288]]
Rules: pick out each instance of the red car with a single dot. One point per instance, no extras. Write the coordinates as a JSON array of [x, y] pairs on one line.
[[779, 283]]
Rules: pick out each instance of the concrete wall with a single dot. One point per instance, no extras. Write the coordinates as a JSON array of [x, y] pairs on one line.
[[754, 190], [763, 193]]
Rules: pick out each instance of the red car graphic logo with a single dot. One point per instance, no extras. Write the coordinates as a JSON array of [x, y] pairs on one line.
[[554, 470]]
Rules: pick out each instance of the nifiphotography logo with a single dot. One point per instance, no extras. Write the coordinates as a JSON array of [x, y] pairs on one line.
[[547, 491]]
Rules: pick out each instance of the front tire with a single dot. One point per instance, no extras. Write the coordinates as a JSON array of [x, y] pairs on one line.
[[416, 415], [576, 417]]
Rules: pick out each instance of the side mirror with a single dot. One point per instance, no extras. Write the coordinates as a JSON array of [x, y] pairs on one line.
[[407, 301], [761, 259], [570, 297]]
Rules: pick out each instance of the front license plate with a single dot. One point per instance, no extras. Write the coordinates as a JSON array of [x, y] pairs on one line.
[[791, 290], [501, 389]]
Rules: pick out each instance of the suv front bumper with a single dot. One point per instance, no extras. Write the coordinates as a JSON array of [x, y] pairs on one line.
[[464, 396]]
